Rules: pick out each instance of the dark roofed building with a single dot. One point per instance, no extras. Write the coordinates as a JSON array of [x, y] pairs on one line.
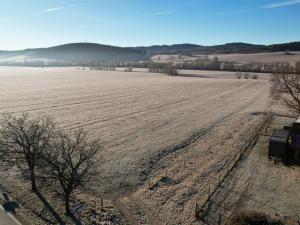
[[279, 143]]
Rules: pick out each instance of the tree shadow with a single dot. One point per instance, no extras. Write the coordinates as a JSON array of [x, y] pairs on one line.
[[10, 206], [291, 163], [55, 215], [75, 219], [192, 75]]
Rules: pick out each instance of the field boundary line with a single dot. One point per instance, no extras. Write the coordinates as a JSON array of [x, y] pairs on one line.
[[200, 211]]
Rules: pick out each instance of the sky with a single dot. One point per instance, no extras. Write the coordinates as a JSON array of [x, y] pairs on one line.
[[45, 23]]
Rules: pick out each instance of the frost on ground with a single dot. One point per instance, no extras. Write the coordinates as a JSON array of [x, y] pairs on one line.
[[141, 118], [260, 184]]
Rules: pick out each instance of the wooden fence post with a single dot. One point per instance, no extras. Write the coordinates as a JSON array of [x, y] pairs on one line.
[[207, 215], [101, 204], [196, 211]]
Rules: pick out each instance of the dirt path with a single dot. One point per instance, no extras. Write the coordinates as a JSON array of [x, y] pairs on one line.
[[126, 213], [152, 219], [136, 212]]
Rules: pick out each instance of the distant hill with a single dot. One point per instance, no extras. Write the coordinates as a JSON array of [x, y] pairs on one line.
[[219, 49], [73, 53], [83, 53], [170, 49]]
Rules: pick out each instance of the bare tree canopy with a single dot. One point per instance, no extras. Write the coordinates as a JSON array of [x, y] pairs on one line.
[[23, 141], [37, 145], [71, 162], [285, 86], [238, 75], [171, 69]]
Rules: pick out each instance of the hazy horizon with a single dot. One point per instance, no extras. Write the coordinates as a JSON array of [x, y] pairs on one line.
[[36, 24], [170, 44]]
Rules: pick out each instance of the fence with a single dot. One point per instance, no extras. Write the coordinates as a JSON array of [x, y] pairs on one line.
[[202, 210]]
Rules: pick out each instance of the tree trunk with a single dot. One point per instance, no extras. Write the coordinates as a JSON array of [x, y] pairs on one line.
[[68, 210], [51, 210], [67, 204], [33, 181]]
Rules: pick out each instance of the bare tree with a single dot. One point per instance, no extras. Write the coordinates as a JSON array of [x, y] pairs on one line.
[[297, 67], [171, 69], [71, 162], [157, 67], [23, 141], [238, 75], [128, 69], [285, 87], [254, 77]]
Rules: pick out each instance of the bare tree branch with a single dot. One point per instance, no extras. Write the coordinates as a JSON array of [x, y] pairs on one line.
[[23, 141], [71, 161], [285, 86]]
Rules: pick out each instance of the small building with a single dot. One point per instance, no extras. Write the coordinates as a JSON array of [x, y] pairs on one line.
[[296, 140], [279, 143], [296, 126]]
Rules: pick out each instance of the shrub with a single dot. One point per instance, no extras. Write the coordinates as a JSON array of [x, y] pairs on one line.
[[156, 67], [129, 69], [253, 218], [171, 70], [254, 77], [238, 75], [246, 75]]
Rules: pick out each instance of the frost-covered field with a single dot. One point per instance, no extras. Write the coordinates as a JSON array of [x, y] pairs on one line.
[[147, 122]]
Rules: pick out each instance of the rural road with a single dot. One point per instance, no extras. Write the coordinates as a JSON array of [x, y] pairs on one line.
[[7, 218]]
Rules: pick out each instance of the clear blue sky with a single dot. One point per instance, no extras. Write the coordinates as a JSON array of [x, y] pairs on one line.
[[42, 23]]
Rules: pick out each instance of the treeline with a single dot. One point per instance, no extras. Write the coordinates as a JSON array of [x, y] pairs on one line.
[[39, 63], [201, 64], [204, 63], [105, 68], [218, 66], [231, 66], [167, 68], [173, 69]]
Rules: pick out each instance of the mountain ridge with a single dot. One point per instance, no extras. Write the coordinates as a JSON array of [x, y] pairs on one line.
[[227, 48], [84, 52]]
